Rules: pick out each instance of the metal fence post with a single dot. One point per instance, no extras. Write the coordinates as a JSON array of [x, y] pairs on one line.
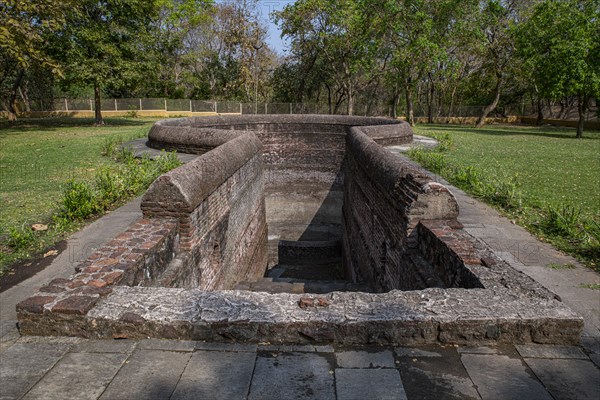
[[91, 105], [215, 107], [66, 105], [140, 104], [266, 108], [116, 107], [240, 108], [165, 104], [291, 108]]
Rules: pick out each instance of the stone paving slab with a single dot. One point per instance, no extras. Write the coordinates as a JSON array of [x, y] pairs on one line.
[[105, 346], [500, 377], [372, 384], [79, 376], [568, 379], [24, 364], [234, 347], [171, 345], [435, 374], [365, 359], [216, 375], [550, 351], [292, 376], [148, 374]]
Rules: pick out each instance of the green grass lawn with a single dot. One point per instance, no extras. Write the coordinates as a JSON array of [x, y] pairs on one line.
[[37, 157], [549, 165]]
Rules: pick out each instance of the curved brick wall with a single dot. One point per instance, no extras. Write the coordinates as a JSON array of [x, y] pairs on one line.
[[303, 158]]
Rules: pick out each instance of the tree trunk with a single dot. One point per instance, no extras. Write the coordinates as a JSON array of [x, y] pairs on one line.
[[394, 110], [581, 108], [430, 99], [350, 99], [330, 106], [409, 107], [10, 107], [97, 105], [492, 106], [540, 112]]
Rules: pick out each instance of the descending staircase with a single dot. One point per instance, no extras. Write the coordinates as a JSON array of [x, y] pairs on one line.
[[304, 276]]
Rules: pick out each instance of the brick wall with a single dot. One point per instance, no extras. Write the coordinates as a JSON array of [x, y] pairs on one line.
[[385, 196], [218, 200]]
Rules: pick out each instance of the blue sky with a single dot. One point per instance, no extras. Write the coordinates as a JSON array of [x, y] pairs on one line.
[[266, 7]]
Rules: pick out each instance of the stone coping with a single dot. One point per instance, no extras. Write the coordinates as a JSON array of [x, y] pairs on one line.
[[510, 308]]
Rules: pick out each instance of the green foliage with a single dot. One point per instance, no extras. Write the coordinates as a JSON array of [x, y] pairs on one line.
[[20, 238], [79, 201], [560, 266], [521, 171]]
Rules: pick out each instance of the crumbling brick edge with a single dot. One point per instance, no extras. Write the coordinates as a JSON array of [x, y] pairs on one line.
[[103, 301]]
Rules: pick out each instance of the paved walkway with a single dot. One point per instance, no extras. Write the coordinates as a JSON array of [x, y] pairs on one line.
[[73, 368]]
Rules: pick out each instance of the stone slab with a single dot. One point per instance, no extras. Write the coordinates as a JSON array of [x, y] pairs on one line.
[[24, 364], [154, 372], [500, 377], [372, 384], [436, 377], [104, 346], [365, 359], [416, 352], [550, 351], [292, 376], [78, 376], [235, 347], [568, 378], [170, 345], [477, 350], [215, 376]]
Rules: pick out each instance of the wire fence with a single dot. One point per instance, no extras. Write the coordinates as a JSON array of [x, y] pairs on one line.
[[231, 107]]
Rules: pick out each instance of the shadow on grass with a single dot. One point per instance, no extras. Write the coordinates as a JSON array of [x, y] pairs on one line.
[[518, 130], [54, 123]]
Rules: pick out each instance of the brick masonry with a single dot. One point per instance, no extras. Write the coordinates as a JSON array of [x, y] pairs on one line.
[[205, 228]]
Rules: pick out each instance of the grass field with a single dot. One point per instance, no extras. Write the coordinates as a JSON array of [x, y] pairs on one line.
[[550, 167], [37, 157]]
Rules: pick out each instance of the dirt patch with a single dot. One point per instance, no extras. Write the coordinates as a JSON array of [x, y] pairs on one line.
[[25, 269]]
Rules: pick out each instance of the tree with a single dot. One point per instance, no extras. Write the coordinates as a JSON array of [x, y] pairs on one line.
[[24, 28], [560, 46], [107, 43]]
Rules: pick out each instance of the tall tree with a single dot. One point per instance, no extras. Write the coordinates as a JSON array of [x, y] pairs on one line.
[[24, 28], [560, 45], [106, 43]]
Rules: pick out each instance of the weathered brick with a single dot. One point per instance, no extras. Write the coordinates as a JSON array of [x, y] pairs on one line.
[[35, 304], [79, 305]]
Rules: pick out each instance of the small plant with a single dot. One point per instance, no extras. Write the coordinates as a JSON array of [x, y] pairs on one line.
[[110, 146], [561, 266], [132, 113], [593, 286], [20, 238], [79, 201], [562, 221], [110, 186]]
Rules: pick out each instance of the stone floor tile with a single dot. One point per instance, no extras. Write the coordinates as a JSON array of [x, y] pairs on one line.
[[78, 376], [477, 350], [365, 359], [415, 352], [439, 377], [147, 375], [372, 384], [104, 346], [568, 379], [8, 331], [324, 349], [550, 351], [499, 377], [236, 347], [170, 345], [216, 375], [292, 376], [24, 364]]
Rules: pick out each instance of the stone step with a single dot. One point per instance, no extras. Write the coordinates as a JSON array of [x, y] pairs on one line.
[[323, 272]]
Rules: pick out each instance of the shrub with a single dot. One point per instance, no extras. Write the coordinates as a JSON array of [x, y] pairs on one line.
[[20, 238], [110, 186], [563, 220], [79, 201]]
